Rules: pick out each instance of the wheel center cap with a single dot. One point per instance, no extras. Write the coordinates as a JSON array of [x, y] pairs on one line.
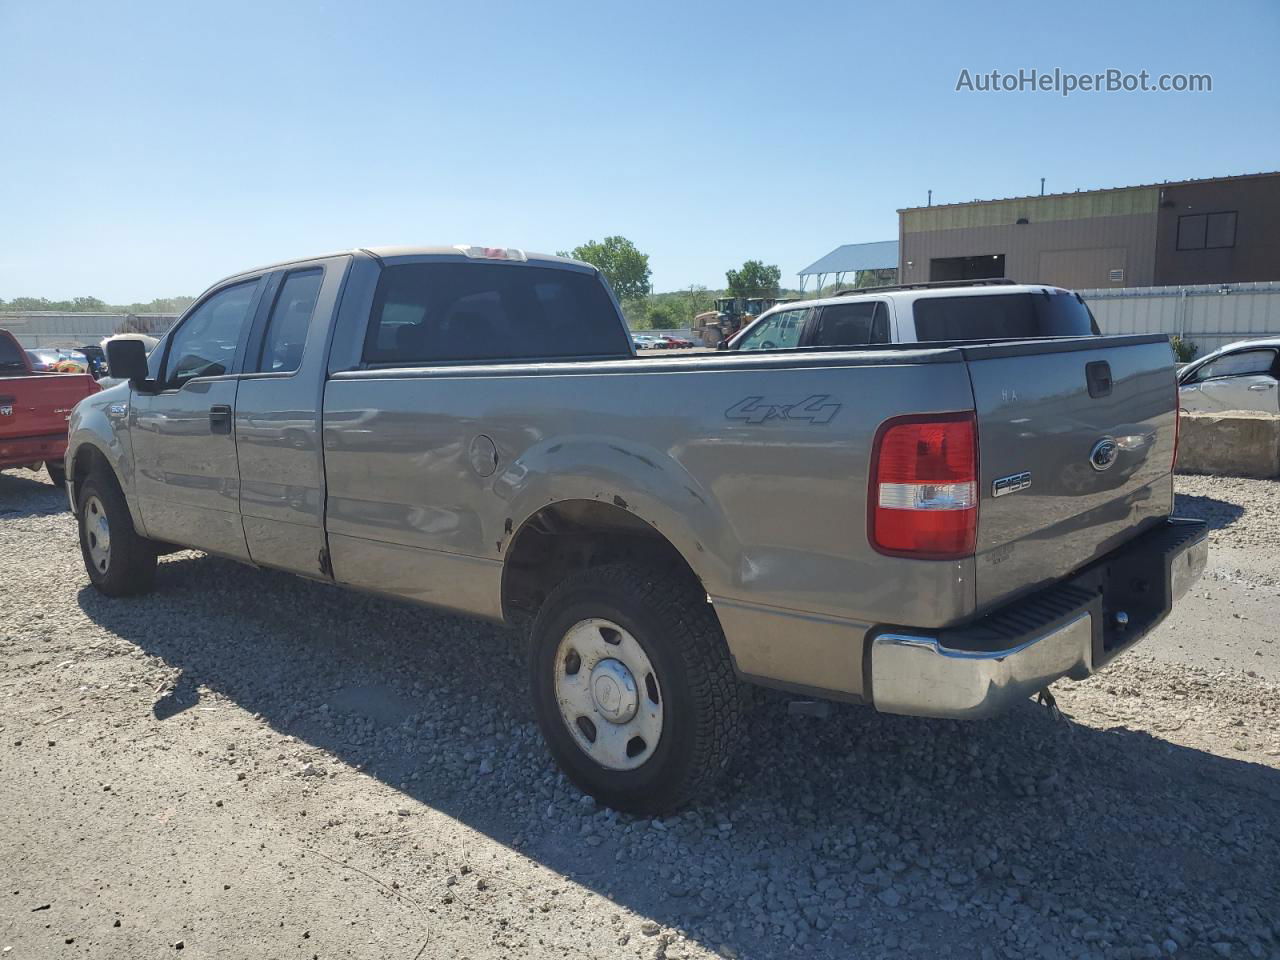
[[613, 690]]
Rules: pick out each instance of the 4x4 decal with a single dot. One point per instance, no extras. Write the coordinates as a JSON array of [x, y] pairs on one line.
[[819, 408]]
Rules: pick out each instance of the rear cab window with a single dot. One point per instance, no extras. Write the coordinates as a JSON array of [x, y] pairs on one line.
[[1002, 316], [445, 311]]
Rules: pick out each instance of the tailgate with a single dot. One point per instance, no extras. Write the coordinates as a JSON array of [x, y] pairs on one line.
[[1075, 444], [39, 404]]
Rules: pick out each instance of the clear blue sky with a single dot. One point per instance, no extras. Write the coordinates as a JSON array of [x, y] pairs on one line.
[[152, 147]]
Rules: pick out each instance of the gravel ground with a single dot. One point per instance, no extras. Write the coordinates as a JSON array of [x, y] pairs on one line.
[[246, 764]]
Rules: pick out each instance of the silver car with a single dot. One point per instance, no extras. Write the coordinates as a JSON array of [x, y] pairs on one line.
[[1239, 376]]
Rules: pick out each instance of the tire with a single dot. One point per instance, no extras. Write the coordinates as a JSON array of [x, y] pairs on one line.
[[655, 624], [57, 473], [127, 565]]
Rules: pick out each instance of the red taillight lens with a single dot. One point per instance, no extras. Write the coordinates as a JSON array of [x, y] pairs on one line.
[[924, 487]]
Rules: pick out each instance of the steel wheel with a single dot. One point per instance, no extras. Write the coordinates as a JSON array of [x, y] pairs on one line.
[[97, 533], [608, 693]]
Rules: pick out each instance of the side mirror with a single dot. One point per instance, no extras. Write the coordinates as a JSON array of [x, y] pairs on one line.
[[127, 359], [723, 345]]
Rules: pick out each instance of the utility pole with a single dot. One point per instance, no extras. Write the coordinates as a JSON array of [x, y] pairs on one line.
[[930, 198], [1042, 186]]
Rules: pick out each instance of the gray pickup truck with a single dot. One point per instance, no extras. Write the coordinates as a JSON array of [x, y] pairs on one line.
[[938, 529]]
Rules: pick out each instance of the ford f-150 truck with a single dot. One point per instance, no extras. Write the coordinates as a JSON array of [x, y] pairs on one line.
[[939, 529], [34, 409]]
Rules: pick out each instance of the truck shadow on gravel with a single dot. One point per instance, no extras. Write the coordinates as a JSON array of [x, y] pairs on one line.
[[27, 494], [858, 834], [1218, 514]]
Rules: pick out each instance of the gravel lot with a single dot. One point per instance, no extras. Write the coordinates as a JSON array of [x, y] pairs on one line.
[[245, 764]]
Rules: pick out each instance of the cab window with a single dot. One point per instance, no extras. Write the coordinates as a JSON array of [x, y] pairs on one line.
[[1003, 316], [1246, 363], [775, 332], [852, 324], [290, 320], [445, 312], [205, 345]]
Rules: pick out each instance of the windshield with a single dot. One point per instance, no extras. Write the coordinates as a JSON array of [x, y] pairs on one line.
[[1006, 316]]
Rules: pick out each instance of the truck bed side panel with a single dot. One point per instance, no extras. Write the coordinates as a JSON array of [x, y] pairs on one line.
[[759, 481]]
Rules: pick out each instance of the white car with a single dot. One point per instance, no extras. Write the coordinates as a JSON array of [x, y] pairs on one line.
[[1239, 376], [921, 313]]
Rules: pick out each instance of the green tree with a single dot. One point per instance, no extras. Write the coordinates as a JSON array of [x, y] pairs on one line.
[[24, 304], [663, 316], [625, 267], [1184, 351], [699, 300], [755, 279]]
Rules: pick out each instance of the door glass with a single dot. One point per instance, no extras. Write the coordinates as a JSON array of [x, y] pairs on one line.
[[1243, 364], [205, 345], [853, 324], [776, 332], [290, 320]]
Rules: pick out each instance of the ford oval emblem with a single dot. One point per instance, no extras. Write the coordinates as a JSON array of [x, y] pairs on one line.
[[1103, 454]]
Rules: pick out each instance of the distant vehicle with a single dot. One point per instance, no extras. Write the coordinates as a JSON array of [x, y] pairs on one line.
[[57, 360], [34, 407], [1239, 376], [922, 313], [678, 343], [644, 341], [731, 314], [43, 361], [96, 357], [72, 361]]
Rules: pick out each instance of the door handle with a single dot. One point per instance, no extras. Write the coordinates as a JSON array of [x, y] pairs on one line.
[[220, 418], [1262, 386]]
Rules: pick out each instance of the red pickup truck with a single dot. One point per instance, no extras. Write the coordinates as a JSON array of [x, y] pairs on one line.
[[34, 408]]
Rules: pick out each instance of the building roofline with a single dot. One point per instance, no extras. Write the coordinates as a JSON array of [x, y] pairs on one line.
[[1077, 193]]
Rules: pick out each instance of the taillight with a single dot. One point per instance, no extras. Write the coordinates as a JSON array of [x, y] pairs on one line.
[[923, 500]]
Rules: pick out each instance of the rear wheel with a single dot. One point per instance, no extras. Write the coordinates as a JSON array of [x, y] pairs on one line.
[[118, 560], [633, 687]]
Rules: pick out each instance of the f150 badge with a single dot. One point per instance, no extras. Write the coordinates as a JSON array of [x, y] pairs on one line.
[[1011, 484], [819, 408]]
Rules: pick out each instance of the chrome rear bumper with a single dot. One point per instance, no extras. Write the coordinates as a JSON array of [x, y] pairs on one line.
[[984, 668]]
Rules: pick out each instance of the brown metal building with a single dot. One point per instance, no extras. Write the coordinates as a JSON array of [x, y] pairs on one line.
[[1224, 230]]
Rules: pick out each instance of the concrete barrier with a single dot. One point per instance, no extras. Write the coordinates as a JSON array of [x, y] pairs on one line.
[[1237, 443]]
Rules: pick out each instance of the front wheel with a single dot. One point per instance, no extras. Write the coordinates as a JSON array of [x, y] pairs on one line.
[[633, 687], [119, 561]]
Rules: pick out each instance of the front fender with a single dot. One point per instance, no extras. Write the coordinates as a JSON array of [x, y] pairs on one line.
[[101, 422], [641, 479]]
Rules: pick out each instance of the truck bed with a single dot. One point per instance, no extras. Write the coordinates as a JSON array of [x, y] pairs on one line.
[[755, 467]]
